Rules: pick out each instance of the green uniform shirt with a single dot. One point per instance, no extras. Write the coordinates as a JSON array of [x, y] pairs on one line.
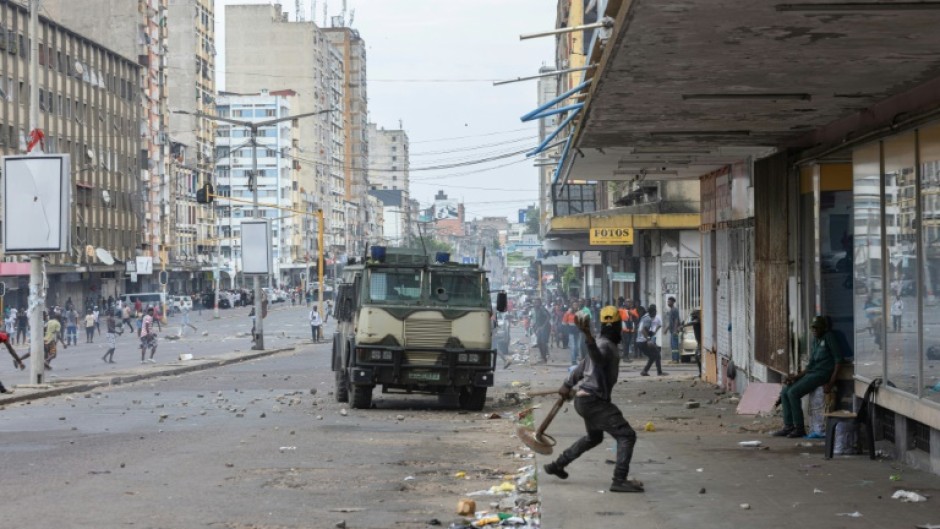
[[826, 354]]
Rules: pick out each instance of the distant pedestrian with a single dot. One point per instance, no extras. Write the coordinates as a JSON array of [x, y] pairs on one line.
[[184, 320], [126, 318], [315, 323], [158, 317], [897, 314], [148, 339], [71, 326], [542, 329], [53, 333], [10, 321], [673, 326], [650, 324], [89, 327], [17, 361], [22, 326], [113, 331], [97, 314]]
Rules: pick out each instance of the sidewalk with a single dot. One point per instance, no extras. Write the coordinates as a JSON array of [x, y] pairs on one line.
[[697, 476], [133, 373]]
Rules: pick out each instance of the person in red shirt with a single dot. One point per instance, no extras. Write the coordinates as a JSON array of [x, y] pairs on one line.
[[17, 361]]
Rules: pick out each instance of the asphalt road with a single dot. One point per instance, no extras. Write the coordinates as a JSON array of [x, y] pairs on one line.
[[285, 326], [246, 446]]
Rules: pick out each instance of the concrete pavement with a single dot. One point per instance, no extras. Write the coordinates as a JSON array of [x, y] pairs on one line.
[[697, 475]]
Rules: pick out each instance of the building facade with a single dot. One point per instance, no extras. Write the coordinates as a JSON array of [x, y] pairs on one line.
[[191, 79], [136, 29], [355, 132], [255, 33], [89, 108], [277, 180]]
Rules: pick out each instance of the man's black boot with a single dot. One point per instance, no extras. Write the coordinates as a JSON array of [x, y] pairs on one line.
[[555, 470], [625, 486], [785, 431], [798, 431]]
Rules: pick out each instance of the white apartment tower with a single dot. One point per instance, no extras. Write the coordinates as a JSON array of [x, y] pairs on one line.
[[311, 66], [293, 234]]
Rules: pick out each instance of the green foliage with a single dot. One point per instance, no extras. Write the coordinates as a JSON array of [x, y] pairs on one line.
[[567, 275], [532, 219], [433, 246]]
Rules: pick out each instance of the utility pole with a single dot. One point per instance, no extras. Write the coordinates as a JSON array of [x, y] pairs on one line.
[[253, 127], [320, 262], [37, 292]]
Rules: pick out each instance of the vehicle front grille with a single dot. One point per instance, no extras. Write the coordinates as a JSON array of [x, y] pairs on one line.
[[427, 333], [422, 358]]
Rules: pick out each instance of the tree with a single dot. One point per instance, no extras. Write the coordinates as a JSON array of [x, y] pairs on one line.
[[532, 220]]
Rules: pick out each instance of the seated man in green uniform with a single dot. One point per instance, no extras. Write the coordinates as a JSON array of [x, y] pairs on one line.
[[821, 371]]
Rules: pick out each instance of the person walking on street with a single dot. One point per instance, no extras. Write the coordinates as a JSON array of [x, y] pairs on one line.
[[17, 361], [673, 326], [329, 309], [822, 370], [897, 313], [575, 333], [22, 326], [158, 317], [649, 326], [53, 333], [148, 339], [97, 314], [184, 320], [591, 384], [126, 318], [315, 323], [113, 331], [10, 321], [71, 326], [542, 329], [89, 327]]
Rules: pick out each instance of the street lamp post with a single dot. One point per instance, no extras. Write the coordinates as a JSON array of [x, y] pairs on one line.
[[253, 127]]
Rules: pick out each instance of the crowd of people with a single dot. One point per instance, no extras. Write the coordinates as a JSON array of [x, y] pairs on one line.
[[554, 323]]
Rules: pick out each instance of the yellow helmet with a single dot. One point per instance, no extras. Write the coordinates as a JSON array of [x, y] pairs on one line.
[[610, 314]]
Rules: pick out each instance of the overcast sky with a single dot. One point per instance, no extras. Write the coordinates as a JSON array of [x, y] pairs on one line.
[[431, 64]]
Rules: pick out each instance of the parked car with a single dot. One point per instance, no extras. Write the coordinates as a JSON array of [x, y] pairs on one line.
[[688, 346]]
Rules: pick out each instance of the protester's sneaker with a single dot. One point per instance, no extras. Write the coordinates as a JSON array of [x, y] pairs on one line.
[[555, 470], [625, 486], [783, 432], [644, 374], [663, 374], [797, 433]]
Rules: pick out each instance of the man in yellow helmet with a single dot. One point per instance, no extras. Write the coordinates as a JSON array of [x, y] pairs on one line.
[[591, 382]]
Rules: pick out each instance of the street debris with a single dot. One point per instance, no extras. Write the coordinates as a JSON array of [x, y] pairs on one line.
[[907, 496], [817, 491], [288, 448], [691, 405], [746, 506], [650, 427], [855, 514], [343, 412], [466, 507], [750, 443], [460, 475]]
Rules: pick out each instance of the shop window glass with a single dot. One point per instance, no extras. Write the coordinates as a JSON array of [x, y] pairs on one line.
[[866, 280], [900, 208], [930, 235]]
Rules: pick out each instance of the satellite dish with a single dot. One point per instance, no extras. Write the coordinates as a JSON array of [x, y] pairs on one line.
[[90, 154], [106, 198], [104, 256], [79, 69]]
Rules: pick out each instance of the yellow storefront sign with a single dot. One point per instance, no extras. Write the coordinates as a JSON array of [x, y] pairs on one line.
[[611, 236]]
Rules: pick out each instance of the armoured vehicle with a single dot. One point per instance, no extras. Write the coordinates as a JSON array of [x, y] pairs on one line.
[[415, 325]]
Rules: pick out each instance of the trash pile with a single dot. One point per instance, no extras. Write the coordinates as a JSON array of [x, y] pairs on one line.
[[511, 503]]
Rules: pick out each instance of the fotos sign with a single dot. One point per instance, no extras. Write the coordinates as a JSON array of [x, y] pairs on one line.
[[611, 236]]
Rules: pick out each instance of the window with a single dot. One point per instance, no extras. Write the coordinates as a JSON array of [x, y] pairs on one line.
[[462, 289], [395, 285]]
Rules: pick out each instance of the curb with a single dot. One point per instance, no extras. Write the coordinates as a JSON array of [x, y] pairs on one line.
[[128, 379]]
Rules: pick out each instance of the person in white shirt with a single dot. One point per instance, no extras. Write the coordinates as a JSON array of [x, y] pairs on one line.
[[650, 324], [148, 338], [897, 313], [315, 323]]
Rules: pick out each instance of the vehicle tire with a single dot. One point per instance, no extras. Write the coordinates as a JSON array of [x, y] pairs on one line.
[[472, 398], [341, 389], [361, 397]]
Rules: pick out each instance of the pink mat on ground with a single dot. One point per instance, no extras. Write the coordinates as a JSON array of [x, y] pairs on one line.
[[758, 398]]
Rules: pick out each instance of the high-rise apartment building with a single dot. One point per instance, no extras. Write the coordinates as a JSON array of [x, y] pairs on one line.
[[313, 67], [135, 29], [191, 76], [89, 108], [389, 167], [293, 234], [356, 139]]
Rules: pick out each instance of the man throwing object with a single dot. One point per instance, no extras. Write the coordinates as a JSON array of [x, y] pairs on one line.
[[597, 375]]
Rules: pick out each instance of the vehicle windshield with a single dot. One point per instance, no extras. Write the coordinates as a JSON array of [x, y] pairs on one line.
[[459, 289], [395, 285]]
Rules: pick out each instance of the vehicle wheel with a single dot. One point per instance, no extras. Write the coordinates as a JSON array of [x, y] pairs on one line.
[[472, 398], [361, 397], [341, 389]]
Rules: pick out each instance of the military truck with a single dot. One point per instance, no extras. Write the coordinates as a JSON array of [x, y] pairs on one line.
[[411, 324]]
